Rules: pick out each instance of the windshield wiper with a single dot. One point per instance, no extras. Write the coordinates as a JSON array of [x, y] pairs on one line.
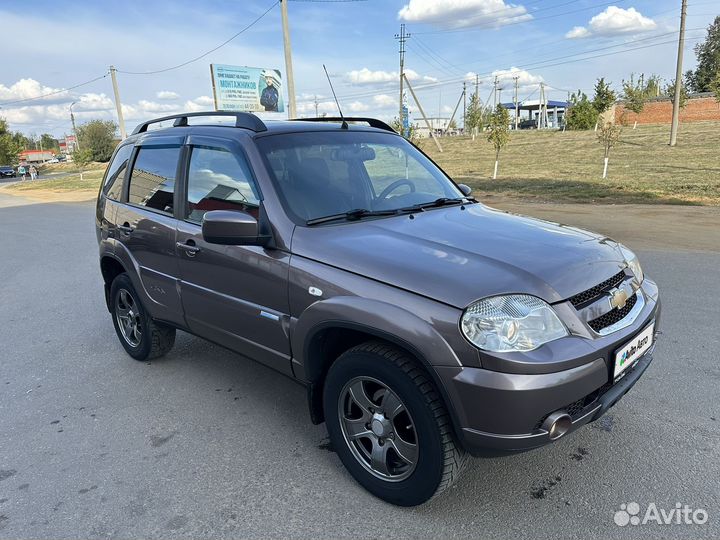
[[442, 201], [352, 215]]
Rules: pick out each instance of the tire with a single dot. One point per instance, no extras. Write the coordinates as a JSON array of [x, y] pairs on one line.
[[144, 338], [382, 371]]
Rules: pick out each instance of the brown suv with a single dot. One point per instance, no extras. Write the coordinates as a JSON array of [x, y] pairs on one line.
[[424, 325]]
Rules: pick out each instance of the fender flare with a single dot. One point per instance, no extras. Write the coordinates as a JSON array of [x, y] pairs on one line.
[[378, 319]]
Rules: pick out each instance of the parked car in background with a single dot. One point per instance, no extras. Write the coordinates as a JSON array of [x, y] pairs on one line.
[[7, 172], [424, 325], [54, 160]]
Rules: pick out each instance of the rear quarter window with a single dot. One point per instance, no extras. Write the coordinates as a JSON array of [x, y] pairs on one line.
[[116, 172]]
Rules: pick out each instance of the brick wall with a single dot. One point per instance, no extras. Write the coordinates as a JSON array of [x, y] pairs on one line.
[[659, 111]]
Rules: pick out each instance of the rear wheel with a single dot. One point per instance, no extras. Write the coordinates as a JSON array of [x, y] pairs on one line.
[[140, 335], [389, 425]]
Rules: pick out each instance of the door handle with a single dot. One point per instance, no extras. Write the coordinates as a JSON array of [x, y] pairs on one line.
[[126, 228], [189, 247]]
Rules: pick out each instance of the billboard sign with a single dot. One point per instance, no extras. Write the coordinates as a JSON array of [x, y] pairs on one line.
[[246, 89]]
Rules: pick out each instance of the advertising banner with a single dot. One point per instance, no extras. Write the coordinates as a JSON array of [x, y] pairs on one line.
[[246, 89]]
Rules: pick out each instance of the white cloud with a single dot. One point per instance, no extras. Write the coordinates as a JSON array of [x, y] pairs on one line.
[[383, 100], [366, 76], [614, 21], [167, 95], [201, 103], [30, 88], [462, 13], [507, 76]]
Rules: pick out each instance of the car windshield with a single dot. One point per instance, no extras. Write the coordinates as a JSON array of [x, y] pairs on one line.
[[322, 174]]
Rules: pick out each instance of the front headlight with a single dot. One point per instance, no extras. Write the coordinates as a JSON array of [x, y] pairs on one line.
[[633, 263], [516, 322]]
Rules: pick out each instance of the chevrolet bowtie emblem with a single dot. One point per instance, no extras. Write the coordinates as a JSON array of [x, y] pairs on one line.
[[618, 298]]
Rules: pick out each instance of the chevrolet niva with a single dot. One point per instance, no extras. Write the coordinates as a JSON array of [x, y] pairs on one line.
[[424, 325]]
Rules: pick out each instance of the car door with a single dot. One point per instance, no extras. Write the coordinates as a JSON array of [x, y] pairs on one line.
[[146, 225], [234, 295]]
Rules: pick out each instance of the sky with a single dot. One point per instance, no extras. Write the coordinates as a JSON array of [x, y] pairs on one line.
[[51, 48]]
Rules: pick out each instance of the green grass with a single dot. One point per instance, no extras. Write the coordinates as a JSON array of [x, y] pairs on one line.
[[567, 167], [90, 181]]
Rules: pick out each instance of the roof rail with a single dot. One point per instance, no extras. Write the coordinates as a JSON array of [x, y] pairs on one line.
[[372, 122], [242, 120]]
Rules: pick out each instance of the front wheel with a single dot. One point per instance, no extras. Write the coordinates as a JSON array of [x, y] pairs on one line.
[[389, 425]]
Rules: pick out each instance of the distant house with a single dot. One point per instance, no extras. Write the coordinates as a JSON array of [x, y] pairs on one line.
[[33, 157]]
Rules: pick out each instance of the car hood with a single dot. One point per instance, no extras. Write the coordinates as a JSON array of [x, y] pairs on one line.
[[457, 255]]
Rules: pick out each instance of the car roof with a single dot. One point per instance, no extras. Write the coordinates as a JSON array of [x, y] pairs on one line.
[[271, 127]]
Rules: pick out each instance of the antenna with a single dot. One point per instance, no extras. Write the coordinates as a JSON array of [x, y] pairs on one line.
[[344, 123]]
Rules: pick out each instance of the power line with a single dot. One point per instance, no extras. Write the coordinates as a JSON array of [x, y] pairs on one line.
[[55, 91], [203, 55]]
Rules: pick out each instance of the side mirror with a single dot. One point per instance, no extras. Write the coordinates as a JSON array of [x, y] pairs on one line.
[[466, 190], [232, 228]]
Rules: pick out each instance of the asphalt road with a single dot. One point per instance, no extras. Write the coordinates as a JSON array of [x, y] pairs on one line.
[[205, 443]]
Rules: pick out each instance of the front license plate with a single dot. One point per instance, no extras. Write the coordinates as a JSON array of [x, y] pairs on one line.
[[634, 349]]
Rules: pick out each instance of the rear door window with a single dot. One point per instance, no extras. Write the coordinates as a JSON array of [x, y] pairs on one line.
[[152, 182]]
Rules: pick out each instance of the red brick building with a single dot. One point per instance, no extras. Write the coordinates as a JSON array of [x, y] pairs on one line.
[[700, 107]]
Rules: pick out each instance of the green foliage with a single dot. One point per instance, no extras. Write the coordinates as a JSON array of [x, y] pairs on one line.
[[48, 142], [708, 61], [604, 96], [474, 114], [609, 135], [670, 91], [98, 137], [634, 94], [10, 144], [83, 157], [581, 114], [499, 129], [715, 87], [412, 129]]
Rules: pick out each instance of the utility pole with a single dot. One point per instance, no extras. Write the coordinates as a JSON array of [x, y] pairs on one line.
[[402, 37], [72, 119], [464, 106], [316, 106], [517, 105], [678, 77], [118, 104], [288, 61], [495, 90], [427, 122], [477, 87]]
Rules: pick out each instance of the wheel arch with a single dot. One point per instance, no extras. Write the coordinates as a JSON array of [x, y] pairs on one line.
[[329, 335], [110, 268]]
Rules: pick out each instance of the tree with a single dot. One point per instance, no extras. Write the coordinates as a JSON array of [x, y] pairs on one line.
[[411, 132], [499, 132], [604, 96], [715, 87], [581, 114], [475, 115], [708, 60], [97, 136], [670, 91], [609, 136], [10, 144], [635, 95], [48, 142]]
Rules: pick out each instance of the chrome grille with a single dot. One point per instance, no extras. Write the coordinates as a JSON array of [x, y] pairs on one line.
[[613, 316], [587, 297]]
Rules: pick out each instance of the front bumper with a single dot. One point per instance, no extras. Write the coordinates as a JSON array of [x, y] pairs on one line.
[[498, 412]]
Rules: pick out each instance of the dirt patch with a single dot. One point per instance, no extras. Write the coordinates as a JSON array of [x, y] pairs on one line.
[[681, 228]]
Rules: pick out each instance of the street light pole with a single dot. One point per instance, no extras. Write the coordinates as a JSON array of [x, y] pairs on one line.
[[118, 104], [678, 77], [72, 119]]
